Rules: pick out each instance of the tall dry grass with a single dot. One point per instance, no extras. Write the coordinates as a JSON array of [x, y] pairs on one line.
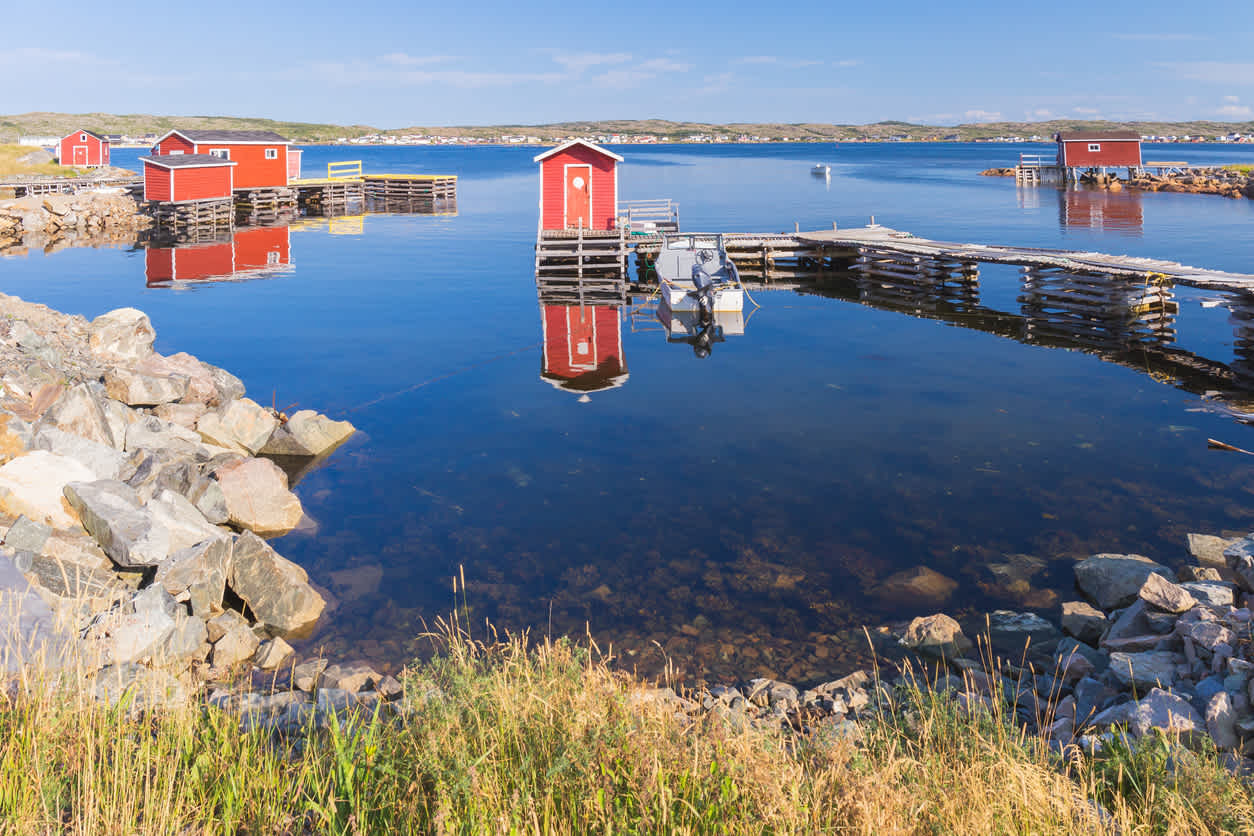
[[512, 736]]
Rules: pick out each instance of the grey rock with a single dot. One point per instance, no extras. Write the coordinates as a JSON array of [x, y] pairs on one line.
[[1083, 621], [305, 675], [29, 634], [135, 388], [1201, 573], [276, 590], [257, 497], [79, 411], [224, 622], [136, 687], [242, 425], [184, 414], [186, 525], [121, 335], [189, 640], [151, 433], [1014, 633], [1221, 721], [1209, 550], [236, 644], [27, 535], [391, 688], [111, 513], [86, 590], [229, 386], [138, 633], [307, 433], [1164, 595], [1113, 580], [1089, 694], [1207, 635], [272, 654], [1131, 621], [102, 460], [32, 486], [936, 636], [1212, 593], [1144, 670], [198, 572], [349, 676], [1165, 712]]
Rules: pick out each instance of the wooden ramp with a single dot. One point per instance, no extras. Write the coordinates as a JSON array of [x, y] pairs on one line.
[[872, 241]]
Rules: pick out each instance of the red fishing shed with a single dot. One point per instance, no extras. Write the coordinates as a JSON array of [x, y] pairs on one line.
[[578, 186], [262, 155], [1099, 149], [83, 149], [182, 178]]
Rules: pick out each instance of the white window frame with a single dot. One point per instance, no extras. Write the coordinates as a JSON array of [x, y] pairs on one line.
[[82, 137], [220, 153], [272, 153], [1094, 147]]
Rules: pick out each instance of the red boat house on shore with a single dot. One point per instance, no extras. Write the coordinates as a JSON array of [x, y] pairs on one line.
[[83, 149], [578, 187], [261, 157], [183, 178], [1098, 149]]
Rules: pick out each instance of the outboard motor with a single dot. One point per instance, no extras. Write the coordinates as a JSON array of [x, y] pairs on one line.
[[704, 284]]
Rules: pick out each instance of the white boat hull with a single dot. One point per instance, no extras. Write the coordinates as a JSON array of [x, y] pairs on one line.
[[688, 323], [680, 298]]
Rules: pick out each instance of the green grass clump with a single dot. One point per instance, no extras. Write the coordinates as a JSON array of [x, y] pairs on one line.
[[1243, 168], [9, 165], [546, 737]]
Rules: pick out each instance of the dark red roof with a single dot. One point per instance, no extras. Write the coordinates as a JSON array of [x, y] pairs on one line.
[[186, 160], [1096, 136]]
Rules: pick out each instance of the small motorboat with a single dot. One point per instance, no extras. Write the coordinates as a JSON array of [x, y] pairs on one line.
[[686, 327], [694, 274], [821, 170]]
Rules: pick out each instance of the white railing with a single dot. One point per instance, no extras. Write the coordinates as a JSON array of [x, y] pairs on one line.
[[654, 215], [1037, 160]]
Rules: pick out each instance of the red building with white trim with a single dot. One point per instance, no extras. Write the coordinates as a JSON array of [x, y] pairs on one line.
[[183, 178], [262, 157], [1099, 149], [83, 149], [583, 347], [578, 187]]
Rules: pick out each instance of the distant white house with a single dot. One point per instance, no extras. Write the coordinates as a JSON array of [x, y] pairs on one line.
[[39, 141]]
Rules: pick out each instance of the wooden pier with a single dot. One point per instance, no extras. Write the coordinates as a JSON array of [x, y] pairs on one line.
[[329, 194], [65, 185], [256, 207], [570, 255], [183, 217]]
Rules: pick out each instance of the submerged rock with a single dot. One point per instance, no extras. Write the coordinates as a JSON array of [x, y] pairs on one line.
[[1113, 580], [307, 433]]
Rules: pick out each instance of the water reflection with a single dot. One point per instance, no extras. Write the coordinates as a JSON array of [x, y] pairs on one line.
[[1100, 210], [246, 253], [582, 347]]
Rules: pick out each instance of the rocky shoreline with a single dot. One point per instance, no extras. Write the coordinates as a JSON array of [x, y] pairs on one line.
[[44, 221], [136, 492], [1224, 182]]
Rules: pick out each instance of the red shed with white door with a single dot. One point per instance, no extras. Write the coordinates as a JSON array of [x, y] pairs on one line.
[[181, 178], [262, 156], [578, 186], [83, 149], [1099, 149]]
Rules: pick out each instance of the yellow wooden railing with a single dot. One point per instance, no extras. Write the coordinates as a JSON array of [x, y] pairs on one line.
[[346, 168]]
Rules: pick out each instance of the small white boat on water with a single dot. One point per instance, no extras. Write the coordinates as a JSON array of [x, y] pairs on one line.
[[694, 274], [821, 170]]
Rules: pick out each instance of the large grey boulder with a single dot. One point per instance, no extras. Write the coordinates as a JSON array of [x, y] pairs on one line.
[[81, 411], [137, 687], [1145, 670], [187, 526], [139, 632], [1164, 595], [136, 388], [233, 640], [242, 425], [936, 636], [121, 335], [276, 590], [33, 486], [1017, 633], [152, 433], [129, 534], [307, 433], [72, 587], [29, 633], [1113, 580], [104, 461], [1083, 621], [198, 575], [257, 497], [1208, 550]]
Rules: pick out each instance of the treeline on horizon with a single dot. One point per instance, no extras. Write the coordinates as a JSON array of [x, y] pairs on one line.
[[47, 124]]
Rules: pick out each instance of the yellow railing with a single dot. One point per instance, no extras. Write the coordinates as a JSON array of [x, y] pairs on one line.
[[346, 168]]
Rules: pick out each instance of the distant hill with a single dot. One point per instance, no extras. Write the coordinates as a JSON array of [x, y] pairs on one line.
[[41, 124]]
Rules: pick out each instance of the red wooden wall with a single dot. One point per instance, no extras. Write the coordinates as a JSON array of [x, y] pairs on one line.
[[603, 187]]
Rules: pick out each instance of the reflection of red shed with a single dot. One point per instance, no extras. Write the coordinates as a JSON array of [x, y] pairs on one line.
[[1101, 210], [578, 186], [583, 347], [254, 252], [262, 155], [83, 149], [1099, 149], [187, 177]]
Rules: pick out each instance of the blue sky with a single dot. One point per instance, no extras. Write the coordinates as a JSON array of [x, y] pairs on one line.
[[393, 64]]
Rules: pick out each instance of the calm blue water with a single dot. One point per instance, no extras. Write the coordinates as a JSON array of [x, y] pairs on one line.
[[743, 511]]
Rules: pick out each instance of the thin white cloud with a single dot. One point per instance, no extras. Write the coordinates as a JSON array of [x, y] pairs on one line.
[[1217, 72], [1235, 111], [1087, 111], [580, 62], [790, 63], [1040, 113], [361, 72], [976, 115], [847, 62], [758, 59], [717, 83], [1232, 99], [640, 74], [403, 59]]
